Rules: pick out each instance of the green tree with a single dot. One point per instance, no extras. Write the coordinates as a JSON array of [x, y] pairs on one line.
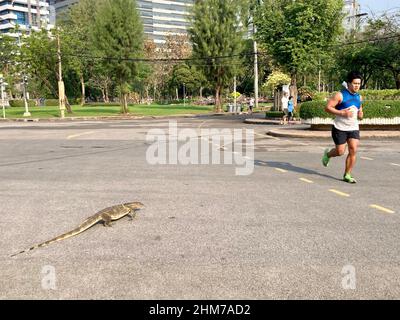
[[217, 30], [118, 34], [296, 33], [77, 26]]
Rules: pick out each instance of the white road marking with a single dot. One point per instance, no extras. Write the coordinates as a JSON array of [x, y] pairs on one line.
[[339, 193], [366, 158], [306, 180], [79, 134], [395, 164], [280, 170], [375, 206]]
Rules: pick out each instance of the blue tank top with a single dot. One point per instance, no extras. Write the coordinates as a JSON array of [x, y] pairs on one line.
[[349, 100]]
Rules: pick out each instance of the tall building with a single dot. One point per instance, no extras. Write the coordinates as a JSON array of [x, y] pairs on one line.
[[25, 15], [159, 17]]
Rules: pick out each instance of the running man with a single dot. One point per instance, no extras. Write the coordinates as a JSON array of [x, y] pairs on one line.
[[346, 105]]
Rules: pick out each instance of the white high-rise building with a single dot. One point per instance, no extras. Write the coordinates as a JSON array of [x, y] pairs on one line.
[[159, 17], [25, 15]]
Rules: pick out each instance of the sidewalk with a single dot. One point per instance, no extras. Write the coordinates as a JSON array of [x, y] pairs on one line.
[[127, 117], [305, 132]]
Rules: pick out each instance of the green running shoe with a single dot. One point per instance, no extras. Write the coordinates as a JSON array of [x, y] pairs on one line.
[[349, 179], [325, 158]]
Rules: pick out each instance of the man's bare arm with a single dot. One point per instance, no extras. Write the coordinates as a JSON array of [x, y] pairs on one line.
[[333, 102]]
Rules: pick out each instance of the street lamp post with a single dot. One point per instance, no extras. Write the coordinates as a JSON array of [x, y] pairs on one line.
[[25, 80], [2, 83]]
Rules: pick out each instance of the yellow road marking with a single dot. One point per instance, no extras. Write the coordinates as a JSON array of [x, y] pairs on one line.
[[339, 193], [366, 158], [280, 170], [79, 134], [306, 180], [395, 164], [381, 208]]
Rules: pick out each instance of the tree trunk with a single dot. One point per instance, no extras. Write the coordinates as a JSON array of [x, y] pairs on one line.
[[107, 98], [124, 103], [293, 88], [201, 93], [103, 93], [218, 107], [68, 106], [83, 91], [397, 79], [177, 94]]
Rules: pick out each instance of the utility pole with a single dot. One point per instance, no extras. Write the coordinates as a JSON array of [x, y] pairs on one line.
[[234, 93], [38, 16], [61, 87], [255, 68]]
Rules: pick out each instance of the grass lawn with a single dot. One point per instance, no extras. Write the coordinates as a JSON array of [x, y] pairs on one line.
[[93, 111]]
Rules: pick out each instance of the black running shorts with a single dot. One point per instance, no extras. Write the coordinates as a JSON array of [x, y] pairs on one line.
[[341, 137]]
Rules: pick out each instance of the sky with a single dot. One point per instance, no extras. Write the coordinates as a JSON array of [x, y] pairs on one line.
[[378, 7]]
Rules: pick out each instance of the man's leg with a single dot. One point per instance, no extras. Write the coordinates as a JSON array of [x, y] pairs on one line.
[[338, 151], [351, 158]]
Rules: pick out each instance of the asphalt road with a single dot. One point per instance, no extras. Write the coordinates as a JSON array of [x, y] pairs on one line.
[[290, 230]]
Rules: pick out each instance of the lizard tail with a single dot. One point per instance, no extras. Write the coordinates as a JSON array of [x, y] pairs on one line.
[[84, 226]]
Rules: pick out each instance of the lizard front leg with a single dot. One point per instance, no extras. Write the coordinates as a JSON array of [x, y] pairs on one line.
[[107, 220], [131, 214]]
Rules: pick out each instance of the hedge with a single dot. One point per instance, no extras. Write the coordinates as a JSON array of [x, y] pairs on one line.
[[372, 109], [21, 104], [51, 102], [367, 95], [102, 104], [380, 94], [278, 114]]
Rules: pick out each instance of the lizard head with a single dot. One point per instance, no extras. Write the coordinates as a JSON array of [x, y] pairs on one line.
[[134, 205]]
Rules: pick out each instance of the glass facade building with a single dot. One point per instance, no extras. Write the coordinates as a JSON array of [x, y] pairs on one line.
[[28, 15], [159, 17]]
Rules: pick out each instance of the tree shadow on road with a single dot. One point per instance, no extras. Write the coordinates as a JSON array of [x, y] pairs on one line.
[[289, 167]]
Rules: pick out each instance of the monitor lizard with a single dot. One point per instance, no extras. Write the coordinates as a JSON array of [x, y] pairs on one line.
[[106, 216]]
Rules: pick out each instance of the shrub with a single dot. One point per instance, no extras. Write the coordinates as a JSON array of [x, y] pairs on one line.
[[321, 96], [274, 114], [372, 109], [102, 104], [51, 102], [20, 103], [380, 94]]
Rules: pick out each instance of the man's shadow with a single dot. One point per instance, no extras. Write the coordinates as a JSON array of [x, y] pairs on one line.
[[289, 167]]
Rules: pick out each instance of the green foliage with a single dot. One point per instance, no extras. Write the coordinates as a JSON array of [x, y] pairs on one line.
[[372, 109], [296, 33], [21, 104], [118, 33], [321, 96], [274, 114], [275, 80], [52, 102], [380, 94], [217, 30]]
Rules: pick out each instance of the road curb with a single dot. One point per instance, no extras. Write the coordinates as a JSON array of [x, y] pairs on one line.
[[309, 134]]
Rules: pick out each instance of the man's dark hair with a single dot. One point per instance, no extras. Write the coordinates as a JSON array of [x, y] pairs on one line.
[[354, 75]]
